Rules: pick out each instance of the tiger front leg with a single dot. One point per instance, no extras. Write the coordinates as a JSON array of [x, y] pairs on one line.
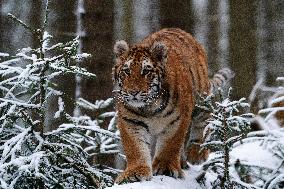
[[167, 159], [136, 141]]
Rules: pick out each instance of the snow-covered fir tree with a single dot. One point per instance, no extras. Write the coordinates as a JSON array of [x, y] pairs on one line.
[[270, 174], [225, 127], [31, 156]]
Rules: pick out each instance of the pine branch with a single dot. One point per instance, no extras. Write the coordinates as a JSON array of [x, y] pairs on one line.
[[33, 157], [14, 18]]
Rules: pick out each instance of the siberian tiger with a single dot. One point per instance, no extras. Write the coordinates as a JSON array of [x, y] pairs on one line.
[[155, 82]]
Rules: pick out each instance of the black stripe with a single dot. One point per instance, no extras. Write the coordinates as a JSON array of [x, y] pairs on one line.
[[174, 105], [169, 113], [227, 73], [148, 143], [224, 73], [137, 113], [198, 141], [220, 76], [175, 120], [136, 122], [165, 102]]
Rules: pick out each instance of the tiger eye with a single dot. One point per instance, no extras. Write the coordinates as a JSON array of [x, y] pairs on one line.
[[146, 71], [127, 71], [148, 67]]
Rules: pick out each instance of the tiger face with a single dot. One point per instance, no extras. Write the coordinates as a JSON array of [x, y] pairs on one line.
[[138, 73]]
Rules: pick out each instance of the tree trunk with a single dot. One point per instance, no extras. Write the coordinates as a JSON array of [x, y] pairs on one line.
[[213, 35], [223, 38], [36, 19], [243, 44], [2, 28], [98, 23], [176, 14], [274, 39], [146, 18]]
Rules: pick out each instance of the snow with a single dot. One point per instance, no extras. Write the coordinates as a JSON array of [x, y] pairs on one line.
[[165, 182], [21, 104], [252, 153], [97, 105], [61, 108], [277, 100], [4, 54], [46, 39]]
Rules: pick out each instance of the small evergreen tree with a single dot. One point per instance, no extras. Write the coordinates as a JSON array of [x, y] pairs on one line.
[[31, 156], [225, 127], [272, 141]]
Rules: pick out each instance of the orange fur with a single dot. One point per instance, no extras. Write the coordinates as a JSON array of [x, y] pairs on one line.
[[195, 154], [157, 102]]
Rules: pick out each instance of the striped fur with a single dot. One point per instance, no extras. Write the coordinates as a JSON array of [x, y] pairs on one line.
[[220, 79], [155, 82]]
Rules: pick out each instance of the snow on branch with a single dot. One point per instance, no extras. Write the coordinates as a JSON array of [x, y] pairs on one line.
[[30, 155], [225, 127]]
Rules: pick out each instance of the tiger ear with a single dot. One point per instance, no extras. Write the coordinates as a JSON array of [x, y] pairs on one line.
[[159, 51], [120, 48]]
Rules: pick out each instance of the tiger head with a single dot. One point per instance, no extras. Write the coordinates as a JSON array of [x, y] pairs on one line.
[[138, 73]]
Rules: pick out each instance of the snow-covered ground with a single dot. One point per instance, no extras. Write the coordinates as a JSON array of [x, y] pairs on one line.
[[252, 153], [165, 182], [255, 154]]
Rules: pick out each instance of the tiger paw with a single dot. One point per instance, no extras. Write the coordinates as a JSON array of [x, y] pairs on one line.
[[134, 174], [171, 169], [184, 164], [197, 156]]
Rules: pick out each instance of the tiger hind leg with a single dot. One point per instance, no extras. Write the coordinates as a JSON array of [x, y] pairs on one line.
[[195, 154]]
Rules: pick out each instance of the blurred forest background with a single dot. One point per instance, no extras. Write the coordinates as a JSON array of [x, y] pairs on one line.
[[245, 35]]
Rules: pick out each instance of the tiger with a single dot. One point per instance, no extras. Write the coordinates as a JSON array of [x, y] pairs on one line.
[[155, 83]]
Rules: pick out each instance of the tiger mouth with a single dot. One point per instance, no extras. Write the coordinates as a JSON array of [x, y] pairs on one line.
[[135, 101], [140, 100]]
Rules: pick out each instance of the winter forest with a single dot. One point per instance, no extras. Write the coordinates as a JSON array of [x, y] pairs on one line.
[[58, 119]]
